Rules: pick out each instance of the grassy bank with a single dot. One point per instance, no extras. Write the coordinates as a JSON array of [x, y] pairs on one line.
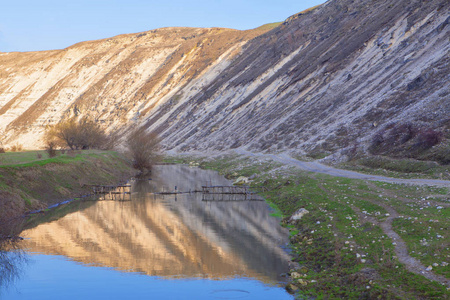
[[341, 245], [398, 167], [32, 180]]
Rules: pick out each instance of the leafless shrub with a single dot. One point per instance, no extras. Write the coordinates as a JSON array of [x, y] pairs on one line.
[[85, 134], [404, 132], [393, 135], [39, 156], [427, 138], [16, 148], [92, 136], [62, 134], [143, 148], [2, 150], [408, 140], [50, 148]]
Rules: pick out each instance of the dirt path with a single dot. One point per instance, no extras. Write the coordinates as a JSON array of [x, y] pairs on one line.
[[401, 250], [321, 168]]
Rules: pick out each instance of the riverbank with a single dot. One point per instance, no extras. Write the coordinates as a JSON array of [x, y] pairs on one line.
[[32, 180], [358, 239]]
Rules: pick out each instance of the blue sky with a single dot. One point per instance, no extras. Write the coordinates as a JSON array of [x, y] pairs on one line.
[[32, 25]]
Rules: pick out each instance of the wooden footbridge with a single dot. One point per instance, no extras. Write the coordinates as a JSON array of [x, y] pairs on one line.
[[228, 193], [226, 190], [209, 193]]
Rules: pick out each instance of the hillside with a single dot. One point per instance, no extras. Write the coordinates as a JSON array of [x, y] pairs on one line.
[[118, 81], [346, 77]]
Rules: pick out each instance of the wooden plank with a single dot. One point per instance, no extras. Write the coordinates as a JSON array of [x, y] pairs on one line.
[[226, 190]]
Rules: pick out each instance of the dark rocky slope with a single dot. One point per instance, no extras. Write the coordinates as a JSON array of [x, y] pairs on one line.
[[326, 80]]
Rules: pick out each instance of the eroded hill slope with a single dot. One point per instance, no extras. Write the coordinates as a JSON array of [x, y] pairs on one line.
[[329, 79], [325, 80], [117, 81]]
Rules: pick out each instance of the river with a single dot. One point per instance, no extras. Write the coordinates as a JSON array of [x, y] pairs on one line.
[[152, 247]]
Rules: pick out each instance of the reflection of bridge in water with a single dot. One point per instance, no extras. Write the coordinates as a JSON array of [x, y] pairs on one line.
[[112, 192]]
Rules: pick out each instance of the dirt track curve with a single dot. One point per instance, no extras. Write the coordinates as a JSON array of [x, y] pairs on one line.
[[411, 263], [317, 167]]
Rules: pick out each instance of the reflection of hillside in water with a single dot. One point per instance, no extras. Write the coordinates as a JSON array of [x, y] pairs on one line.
[[168, 236]]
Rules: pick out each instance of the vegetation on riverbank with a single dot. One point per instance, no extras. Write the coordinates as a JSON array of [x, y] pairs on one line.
[[33, 180], [343, 245], [398, 167]]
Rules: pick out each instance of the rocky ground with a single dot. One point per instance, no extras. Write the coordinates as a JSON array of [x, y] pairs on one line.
[[358, 238]]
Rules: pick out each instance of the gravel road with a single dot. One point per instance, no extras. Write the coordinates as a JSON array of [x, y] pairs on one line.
[[321, 168]]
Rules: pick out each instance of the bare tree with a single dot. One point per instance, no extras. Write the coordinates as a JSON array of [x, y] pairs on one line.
[[85, 134], [63, 134], [50, 148], [143, 147]]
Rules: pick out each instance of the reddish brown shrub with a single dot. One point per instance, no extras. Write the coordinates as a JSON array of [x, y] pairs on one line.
[[83, 134], [16, 148], [427, 138], [50, 148], [143, 148], [407, 140], [403, 133]]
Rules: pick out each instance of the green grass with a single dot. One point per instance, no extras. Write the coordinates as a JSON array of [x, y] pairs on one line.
[[318, 155], [27, 201], [399, 168], [310, 9], [22, 157], [340, 254], [404, 190], [29, 158], [268, 26], [50, 180], [426, 241], [174, 160], [277, 213]]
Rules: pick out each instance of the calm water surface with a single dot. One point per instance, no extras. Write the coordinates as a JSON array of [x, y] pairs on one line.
[[153, 247]]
